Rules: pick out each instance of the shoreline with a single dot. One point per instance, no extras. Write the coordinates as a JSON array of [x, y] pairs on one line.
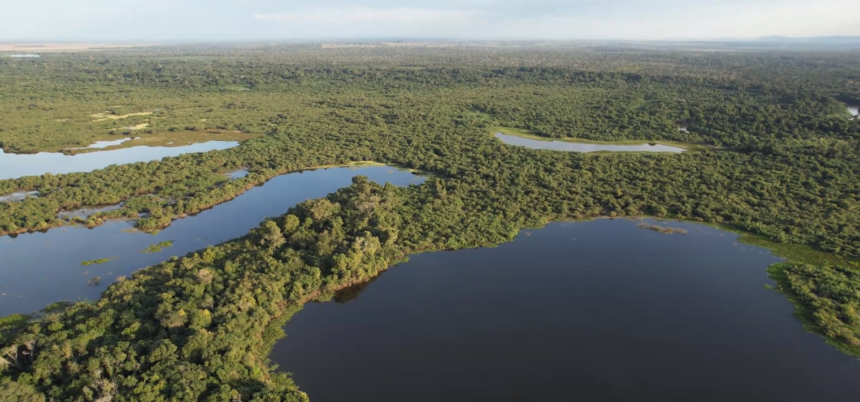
[[528, 134], [249, 186]]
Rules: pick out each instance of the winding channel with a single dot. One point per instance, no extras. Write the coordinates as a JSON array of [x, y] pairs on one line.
[[38, 269]]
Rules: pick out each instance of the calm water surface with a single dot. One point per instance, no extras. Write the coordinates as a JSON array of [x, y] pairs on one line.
[[19, 196], [105, 144], [18, 165], [37, 269], [594, 311], [237, 174], [854, 109], [578, 147], [86, 212]]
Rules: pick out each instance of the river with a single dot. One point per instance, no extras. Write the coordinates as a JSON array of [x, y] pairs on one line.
[[38, 268], [18, 165], [595, 311]]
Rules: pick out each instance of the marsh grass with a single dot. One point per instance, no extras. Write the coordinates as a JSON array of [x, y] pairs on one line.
[[99, 261], [155, 248], [662, 229]]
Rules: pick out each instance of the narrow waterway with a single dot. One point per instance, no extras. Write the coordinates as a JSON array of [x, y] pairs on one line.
[[583, 147], [19, 165], [42, 268]]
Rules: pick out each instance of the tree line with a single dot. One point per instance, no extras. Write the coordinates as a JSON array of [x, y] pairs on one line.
[[199, 327]]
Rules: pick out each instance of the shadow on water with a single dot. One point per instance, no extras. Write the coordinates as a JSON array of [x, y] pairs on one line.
[[351, 293], [597, 311]]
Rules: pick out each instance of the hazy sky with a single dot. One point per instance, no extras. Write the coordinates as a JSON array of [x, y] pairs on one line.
[[219, 20]]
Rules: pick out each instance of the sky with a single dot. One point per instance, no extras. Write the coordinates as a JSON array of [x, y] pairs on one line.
[[250, 20]]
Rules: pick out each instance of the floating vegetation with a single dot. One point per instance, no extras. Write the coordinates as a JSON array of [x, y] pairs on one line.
[[99, 261], [663, 229], [94, 281], [155, 248]]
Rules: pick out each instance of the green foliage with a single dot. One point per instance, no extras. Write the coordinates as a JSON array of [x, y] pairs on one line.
[[16, 392], [14, 320], [207, 320], [98, 261], [155, 248], [787, 173], [199, 327], [827, 300]]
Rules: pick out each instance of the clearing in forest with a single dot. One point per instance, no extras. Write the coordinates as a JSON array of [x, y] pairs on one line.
[[105, 116]]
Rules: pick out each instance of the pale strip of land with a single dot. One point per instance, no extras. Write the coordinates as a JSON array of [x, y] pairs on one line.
[[64, 47], [532, 136], [107, 116]]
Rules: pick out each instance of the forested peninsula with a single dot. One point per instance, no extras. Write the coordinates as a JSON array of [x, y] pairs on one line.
[[777, 160]]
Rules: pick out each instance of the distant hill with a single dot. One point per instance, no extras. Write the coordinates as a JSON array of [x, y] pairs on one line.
[[815, 39]]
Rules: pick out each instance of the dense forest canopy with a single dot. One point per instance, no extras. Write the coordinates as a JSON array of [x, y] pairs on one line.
[[781, 163]]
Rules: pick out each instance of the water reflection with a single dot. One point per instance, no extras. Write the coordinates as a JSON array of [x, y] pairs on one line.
[[18, 165], [104, 144], [854, 110], [581, 147], [44, 267], [351, 293], [19, 196], [237, 174], [84, 213], [561, 314]]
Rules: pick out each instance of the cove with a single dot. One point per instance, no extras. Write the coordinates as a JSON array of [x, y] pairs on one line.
[[18, 165], [38, 268], [594, 311], [583, 147]]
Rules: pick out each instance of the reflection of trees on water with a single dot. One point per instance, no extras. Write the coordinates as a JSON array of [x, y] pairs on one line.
[[351, 293]]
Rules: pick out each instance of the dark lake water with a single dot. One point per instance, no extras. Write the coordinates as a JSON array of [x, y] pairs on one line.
[[593, 311], [18, 165], [583, 147], [37, 269]]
